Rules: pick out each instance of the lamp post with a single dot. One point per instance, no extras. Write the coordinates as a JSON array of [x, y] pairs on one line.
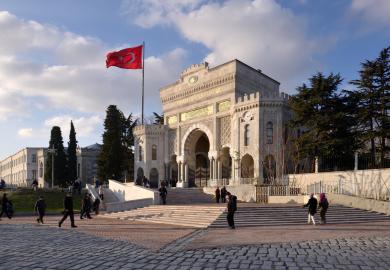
[[52, 151]]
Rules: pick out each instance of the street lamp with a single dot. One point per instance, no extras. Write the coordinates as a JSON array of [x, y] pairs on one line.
[[53, 152]]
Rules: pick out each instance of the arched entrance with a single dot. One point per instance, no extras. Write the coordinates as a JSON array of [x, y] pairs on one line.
[[140, 176], [269, 169], [226, 163], [247, 166], [153, 178], [197, 147]]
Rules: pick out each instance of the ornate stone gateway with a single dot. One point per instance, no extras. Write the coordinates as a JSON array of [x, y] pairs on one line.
[[220, 124]]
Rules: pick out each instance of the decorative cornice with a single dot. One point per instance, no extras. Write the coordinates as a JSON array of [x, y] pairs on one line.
[[186, 92]]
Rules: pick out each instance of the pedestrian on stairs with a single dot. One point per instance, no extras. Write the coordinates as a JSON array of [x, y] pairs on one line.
[[223, 194], [323, 206], [101, 193], [217, 194], [163, 194], [232, 208], [96, 205], [312, 204]]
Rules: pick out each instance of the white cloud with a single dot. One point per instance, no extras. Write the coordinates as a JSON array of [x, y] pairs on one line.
[[84, 126], [25, 132], [67, 71], [376, 12], [259, 32], [11, 104]]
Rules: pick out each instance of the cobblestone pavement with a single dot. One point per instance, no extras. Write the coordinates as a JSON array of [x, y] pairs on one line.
[[42, 247]]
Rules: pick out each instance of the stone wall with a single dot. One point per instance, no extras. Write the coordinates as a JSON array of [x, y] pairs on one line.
[[363, 183], [131, 192], [362, 203]]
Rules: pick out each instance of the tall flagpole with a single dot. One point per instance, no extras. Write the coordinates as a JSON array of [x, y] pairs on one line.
[[143, 80]]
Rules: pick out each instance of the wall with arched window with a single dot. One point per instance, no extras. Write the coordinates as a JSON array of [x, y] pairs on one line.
[[154, 152], [269, 133], [140, 153], [246, 135], [40, 169]]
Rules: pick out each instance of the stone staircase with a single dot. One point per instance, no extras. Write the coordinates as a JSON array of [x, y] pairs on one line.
[[188, 196], [248, 215], [253, 216], [198, 216]]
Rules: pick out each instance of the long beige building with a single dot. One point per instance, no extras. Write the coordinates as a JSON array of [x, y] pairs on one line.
[[21, 168], [225, 122]]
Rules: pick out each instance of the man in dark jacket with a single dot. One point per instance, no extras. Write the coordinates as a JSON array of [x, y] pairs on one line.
[[223, 194], [86, 206], [217, 194], [40, 207], [163, 194], [6, 207], [68, 210], [232, 208], [312, 203]]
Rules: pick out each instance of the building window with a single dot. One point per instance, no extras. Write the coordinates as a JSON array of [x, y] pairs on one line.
[[34, 158], [154, 152], [78, 170], [140, 154], [41, 169], [34, 174], [246, 135], [270, 133]]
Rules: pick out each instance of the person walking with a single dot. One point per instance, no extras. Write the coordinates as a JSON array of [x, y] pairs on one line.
[[223, 194], [6, 207], [163, 194], [232, 208], [96, 205], [35, 185], [312, 204], [86, 207], [101, 193], [40, 207], [323, 206], [217, 194], [68, 211]]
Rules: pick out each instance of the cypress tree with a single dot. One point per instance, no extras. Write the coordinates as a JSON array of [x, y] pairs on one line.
[[60, 162], [111, 158], [72, 157]]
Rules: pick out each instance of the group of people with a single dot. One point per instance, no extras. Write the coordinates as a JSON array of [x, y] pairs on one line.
[[87, 206], [220, 194], [313, 205]]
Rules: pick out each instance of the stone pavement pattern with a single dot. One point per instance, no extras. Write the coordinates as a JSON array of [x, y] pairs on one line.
[[43, 247]]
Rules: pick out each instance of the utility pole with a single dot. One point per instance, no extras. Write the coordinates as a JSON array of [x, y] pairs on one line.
[[52, 151]]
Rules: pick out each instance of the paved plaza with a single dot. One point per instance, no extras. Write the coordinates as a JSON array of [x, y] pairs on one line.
[[114, 244]]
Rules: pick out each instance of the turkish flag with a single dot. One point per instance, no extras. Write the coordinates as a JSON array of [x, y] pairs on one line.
[[130, 58]]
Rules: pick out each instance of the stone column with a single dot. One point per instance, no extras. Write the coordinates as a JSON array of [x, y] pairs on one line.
[[179, 172], [186, 173], [211, 168], [219, 170], [316, 164], [356, 167]]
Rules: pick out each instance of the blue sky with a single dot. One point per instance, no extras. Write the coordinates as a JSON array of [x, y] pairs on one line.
[[52, 53]]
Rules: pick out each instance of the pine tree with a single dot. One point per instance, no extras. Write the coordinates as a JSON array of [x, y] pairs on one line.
[[158, 118], [372, 104], [321, 112], [72, 157], [60, 162], [111, 162]]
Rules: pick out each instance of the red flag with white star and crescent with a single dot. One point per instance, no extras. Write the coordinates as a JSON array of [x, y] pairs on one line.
[[130, 58]]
